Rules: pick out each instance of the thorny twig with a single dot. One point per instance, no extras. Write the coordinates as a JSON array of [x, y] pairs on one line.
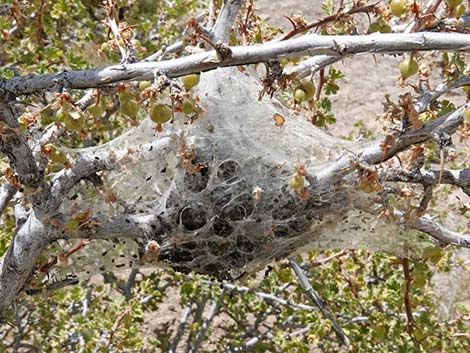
[[428, 13], [63, 256], [127, 53], [458, 177], [224, 23], [302, 28], [248, 346], [241, 55]]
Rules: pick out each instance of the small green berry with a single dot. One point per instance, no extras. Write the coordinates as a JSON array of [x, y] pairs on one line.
[[190, 81], [408, 67], [299, 95], [398, 7], [160, 113], [187, 107], [296, 182]]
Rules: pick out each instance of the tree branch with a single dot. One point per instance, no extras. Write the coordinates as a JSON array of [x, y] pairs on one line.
[[460, 178], [182, 325], [375, 153], [267, 296], [446, 236], [313, 65], [6, 194], [335, 17], [426, 98], [307, 45], [214, 309], [13, 143], [315, 298], [225, 20], [17, 265], [173, 48], [102, 227], [407, 301]]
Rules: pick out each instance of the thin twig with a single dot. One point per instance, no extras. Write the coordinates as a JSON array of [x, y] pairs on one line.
[[181, 327], [407, 301], [214, 309], [430, 8], [315, 298], [325, 260], [65, 255], [197, 318], [426, 98], [211, 14], [227, 16], [458, 177], [312, 65], [116, 325], [266, 296], [331, 18]]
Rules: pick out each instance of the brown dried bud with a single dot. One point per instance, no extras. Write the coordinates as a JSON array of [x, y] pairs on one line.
[[152, 246]]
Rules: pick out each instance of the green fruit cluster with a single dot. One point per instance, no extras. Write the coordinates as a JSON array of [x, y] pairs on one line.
[[379, 27]]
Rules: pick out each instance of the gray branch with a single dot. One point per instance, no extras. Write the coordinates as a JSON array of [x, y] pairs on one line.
[[214, 309], [6, 194], [225, 20], [181, 328], [14, 145], [307, 45], [267, 296], [460, 177], [313, 65], [315, 298], [375, 153], [426, 98], [16, 267], [427, 225]]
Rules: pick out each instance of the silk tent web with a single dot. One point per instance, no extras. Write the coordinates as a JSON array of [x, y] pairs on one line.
[[216, 192]]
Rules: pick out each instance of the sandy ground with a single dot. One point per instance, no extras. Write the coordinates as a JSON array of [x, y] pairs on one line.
[[367, 79]]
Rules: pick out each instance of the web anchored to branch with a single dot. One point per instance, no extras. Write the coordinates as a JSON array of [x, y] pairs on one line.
[[216, 196]]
